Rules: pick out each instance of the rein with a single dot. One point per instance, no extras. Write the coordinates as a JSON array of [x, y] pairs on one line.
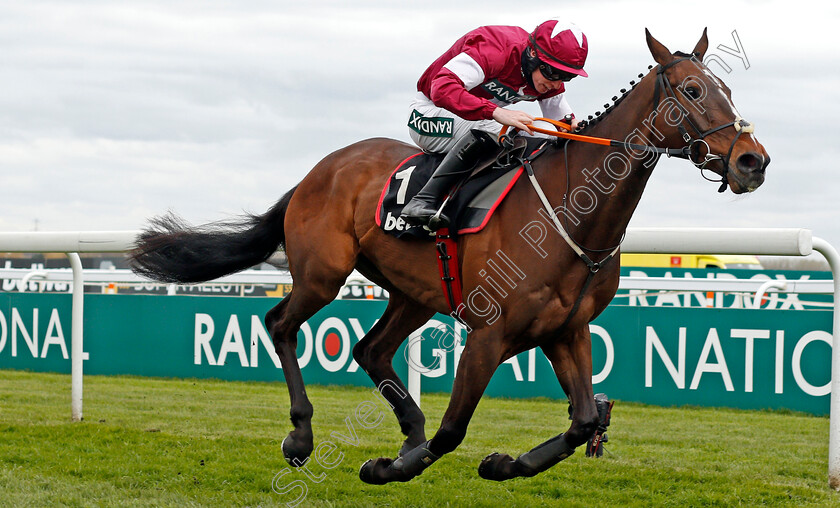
[[682, 153]]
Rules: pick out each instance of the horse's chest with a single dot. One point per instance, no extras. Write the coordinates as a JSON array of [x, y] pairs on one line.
[[547, 318]]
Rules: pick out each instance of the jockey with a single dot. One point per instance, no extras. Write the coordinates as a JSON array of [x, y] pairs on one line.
[[459, 106]]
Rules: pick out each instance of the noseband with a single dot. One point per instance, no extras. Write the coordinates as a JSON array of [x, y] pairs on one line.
[[693, 147]]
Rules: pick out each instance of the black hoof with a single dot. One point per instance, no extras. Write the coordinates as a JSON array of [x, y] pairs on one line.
[[295, 450], [498, 467], [375, 471]]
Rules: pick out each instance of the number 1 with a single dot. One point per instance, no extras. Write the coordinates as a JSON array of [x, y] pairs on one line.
[[405, 176]]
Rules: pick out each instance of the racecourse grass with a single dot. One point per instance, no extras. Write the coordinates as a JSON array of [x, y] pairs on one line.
[[163, 442]]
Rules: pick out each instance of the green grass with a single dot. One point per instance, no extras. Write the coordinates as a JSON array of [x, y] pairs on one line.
[[156, 442]]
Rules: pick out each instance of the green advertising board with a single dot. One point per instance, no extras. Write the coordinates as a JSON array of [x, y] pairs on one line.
[[654, 354]]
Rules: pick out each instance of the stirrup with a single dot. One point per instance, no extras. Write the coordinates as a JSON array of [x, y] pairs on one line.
[[439, 220]]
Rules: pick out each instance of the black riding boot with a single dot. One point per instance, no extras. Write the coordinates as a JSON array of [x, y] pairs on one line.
[[456, 165]]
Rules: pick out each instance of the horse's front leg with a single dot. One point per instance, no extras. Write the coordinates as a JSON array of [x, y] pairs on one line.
[[571, 358], [478, 362]]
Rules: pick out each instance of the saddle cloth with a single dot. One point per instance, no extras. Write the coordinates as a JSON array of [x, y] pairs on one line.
[[469, 209]]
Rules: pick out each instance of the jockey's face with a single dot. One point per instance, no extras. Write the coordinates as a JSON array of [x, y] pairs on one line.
[[542, 84]]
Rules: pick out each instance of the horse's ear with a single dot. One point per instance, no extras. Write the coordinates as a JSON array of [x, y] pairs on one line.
[[702, 45], [660, 53]]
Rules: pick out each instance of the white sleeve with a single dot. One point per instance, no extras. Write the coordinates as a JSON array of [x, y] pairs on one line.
[[555, 107], [467, 70]]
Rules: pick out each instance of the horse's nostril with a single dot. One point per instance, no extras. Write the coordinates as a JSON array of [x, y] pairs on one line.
[[750, 162]]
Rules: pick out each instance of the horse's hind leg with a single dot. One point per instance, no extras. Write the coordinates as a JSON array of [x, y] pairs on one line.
[[477, 365], [375, 352], [572, 362], [317, 281]]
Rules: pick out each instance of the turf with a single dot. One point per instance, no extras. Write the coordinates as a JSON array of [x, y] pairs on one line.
[[163, 442]]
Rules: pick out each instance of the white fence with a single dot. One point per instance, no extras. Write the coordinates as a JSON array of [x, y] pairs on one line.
[[790, 242], [71, 243]]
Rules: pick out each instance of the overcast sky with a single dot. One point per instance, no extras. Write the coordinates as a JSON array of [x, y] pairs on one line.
[[111, 112]]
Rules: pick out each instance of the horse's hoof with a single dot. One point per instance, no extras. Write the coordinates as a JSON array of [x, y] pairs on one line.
[[294, 451], [375, 471], [498, 467]]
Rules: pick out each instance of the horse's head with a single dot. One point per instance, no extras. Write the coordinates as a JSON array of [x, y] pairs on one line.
[[697, 108]]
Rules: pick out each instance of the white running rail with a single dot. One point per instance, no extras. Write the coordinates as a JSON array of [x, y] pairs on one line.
[[72, 243]]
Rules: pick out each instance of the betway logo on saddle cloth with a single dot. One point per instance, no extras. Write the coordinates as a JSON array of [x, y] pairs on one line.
[[470, 208]]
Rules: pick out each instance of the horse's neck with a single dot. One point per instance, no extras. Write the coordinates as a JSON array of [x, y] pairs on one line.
[[617, 195]]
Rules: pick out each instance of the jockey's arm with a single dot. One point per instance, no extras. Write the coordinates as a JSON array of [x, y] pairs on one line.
[[450, 89], [557, 107]]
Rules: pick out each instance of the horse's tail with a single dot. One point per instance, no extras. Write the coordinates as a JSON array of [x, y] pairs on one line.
[[170, 250]]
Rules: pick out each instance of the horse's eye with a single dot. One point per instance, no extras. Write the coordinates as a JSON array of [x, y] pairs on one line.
[[692, 93]]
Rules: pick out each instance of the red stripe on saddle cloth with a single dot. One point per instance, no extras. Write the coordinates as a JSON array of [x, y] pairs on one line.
[[450, 274]]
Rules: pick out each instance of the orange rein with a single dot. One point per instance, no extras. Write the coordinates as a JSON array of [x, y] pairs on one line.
[[565, 135]]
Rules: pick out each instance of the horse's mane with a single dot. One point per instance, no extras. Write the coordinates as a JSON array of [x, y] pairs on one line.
[[598, 117]]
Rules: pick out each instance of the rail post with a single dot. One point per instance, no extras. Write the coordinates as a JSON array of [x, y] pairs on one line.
[[830, 253]]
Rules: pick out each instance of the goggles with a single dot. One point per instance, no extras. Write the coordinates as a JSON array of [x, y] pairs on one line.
[[553, 74]]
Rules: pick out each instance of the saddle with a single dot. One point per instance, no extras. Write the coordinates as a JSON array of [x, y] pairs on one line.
[[469, 206]]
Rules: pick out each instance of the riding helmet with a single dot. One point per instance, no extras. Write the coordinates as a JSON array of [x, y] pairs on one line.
[[562, 46]]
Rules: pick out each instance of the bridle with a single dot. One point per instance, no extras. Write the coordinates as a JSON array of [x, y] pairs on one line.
[[692, 149], [691, 152]]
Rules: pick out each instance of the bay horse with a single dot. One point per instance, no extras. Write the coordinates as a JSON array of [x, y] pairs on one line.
[[327, 226]]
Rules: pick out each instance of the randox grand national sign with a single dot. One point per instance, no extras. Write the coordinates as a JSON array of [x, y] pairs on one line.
[[663, 355]]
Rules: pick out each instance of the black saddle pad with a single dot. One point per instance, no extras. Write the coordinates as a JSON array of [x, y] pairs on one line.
[[469, 209]]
